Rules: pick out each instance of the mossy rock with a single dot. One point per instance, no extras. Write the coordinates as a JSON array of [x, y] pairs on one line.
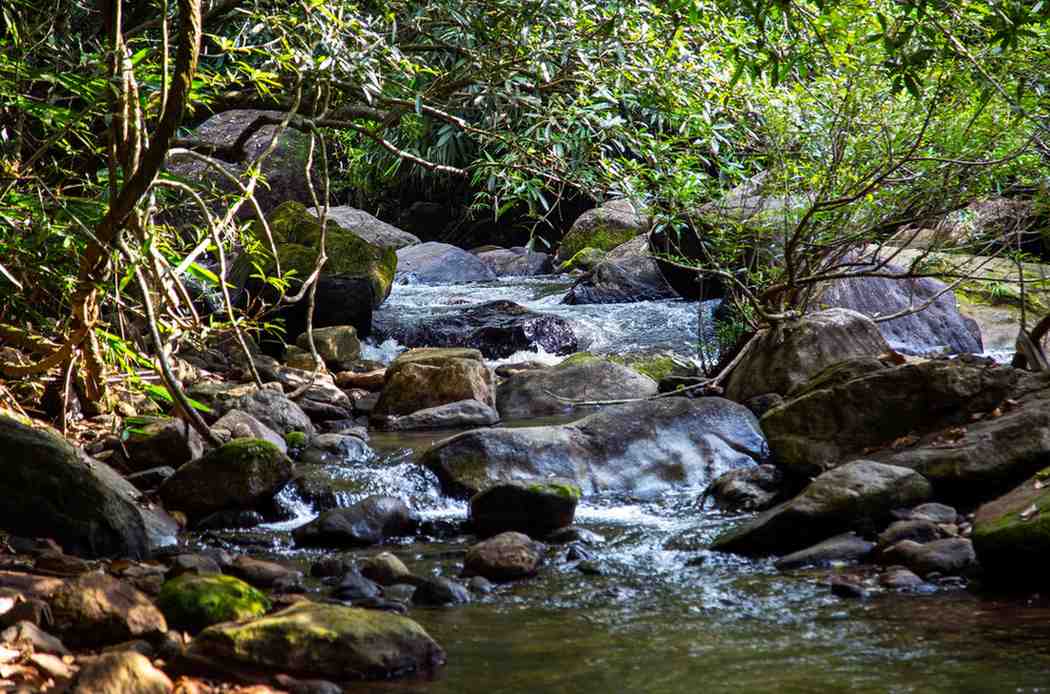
[[577, 358], [603, 228], [1011, 535], [585, 260], [296, 439], [196, 602], [330, 641], [297, 234], [655, 366]]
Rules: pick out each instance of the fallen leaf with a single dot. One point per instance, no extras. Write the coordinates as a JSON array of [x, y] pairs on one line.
[[1029, 512], [996, 413], [1038, 484], [904, 442]]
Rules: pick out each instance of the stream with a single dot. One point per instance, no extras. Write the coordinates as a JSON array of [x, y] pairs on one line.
[[655, 611]]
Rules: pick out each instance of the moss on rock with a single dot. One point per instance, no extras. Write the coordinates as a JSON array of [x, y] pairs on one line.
[[197, 602], [584, 260]]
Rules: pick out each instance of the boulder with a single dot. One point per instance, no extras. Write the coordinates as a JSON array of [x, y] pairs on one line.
[[462, 414], [529, 393], [604, 228], [438, 590], [343, 643], [283, 170], [536, 508], [161, 441], [441, 263], [973, 428], [583, 261], [98, 610], [266, 574], [414, 385], [337, 345], [916, 530], [194, 602], [434, 356], [497, 328], [50, 489], [779, 361], [626, 274], [1011, 535], [322, 401], [951, 556], [841, 548], [748, 489], [937, 329], [641, 448], [505, 557], [356, 279], [268, 406], [343, 449], [367, 227], [240, 475], [368, 522], [857, 496], [237, 424], [121, 672], [515, 262], [386, 570]]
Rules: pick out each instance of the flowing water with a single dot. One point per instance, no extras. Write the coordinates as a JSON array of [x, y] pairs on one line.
[[655, 611]]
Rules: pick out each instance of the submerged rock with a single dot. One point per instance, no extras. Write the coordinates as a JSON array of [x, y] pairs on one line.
[[641, 448], [344, 643], [778, 362], [535, 392], [506, 557], [497, 328], [194, 602], [368, 522], [860, 495], [536, 507], [441, 263]]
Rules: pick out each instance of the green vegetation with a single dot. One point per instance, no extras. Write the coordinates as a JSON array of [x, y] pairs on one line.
[[196, 602]]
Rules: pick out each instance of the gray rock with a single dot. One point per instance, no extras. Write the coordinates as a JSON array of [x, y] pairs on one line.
[[529, 393], [845, 547], [641, 448], [437, 590], [355, 587], [367, 227], [534, 507], [779, 362], [368, 522], [916, 530], [935, 513], [463, 414], [337, 345], [860, 496], [162, 442], [1011, 535], [515, 262], [265, 574], [948, 557], [236, 424], [604, 228], [900, 578], [49, 489], [747, 489], [440, 263], [627, 274], [148, 480], [273, 408], [341, 449]]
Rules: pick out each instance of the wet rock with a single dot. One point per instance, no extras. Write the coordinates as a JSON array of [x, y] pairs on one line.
[[49, 489], [584, 260], [497, 328], [536, 507], [535, 393], [899, 578], [1011, 534], [125, 672], [96, 609], [918, 416], [952, 556], [221, 520], [604, 228], [626, 274], [453, 415], [368, 522], [641, 448], [437, 590], [236, 424], [440, 263], [480, 585], [847, 587], [265, 574], [413, 385], [241, 474], [299, 686], [344, 449], [148, 480], [354, 587], [386, 569], [331, 566], [337, 345], [196, 564], [342, 643], [760, 404], [748, 489], [917, 530], [936, 329], [194, 602], [935, 513], [841, 548], [515, 262], [399, 592], [162, 441], [857, 496], [574, 533], [779, 361], [367, 227], [505, 557]]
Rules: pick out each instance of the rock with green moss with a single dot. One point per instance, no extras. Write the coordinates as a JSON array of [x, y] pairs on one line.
[[337, 345], [534, 507], [194, 602], [584, 260], [1011, 535], [603, 228], [331, 641], [373, 230], [239, 475], [156, 441], [543, 392], [628, 273]]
